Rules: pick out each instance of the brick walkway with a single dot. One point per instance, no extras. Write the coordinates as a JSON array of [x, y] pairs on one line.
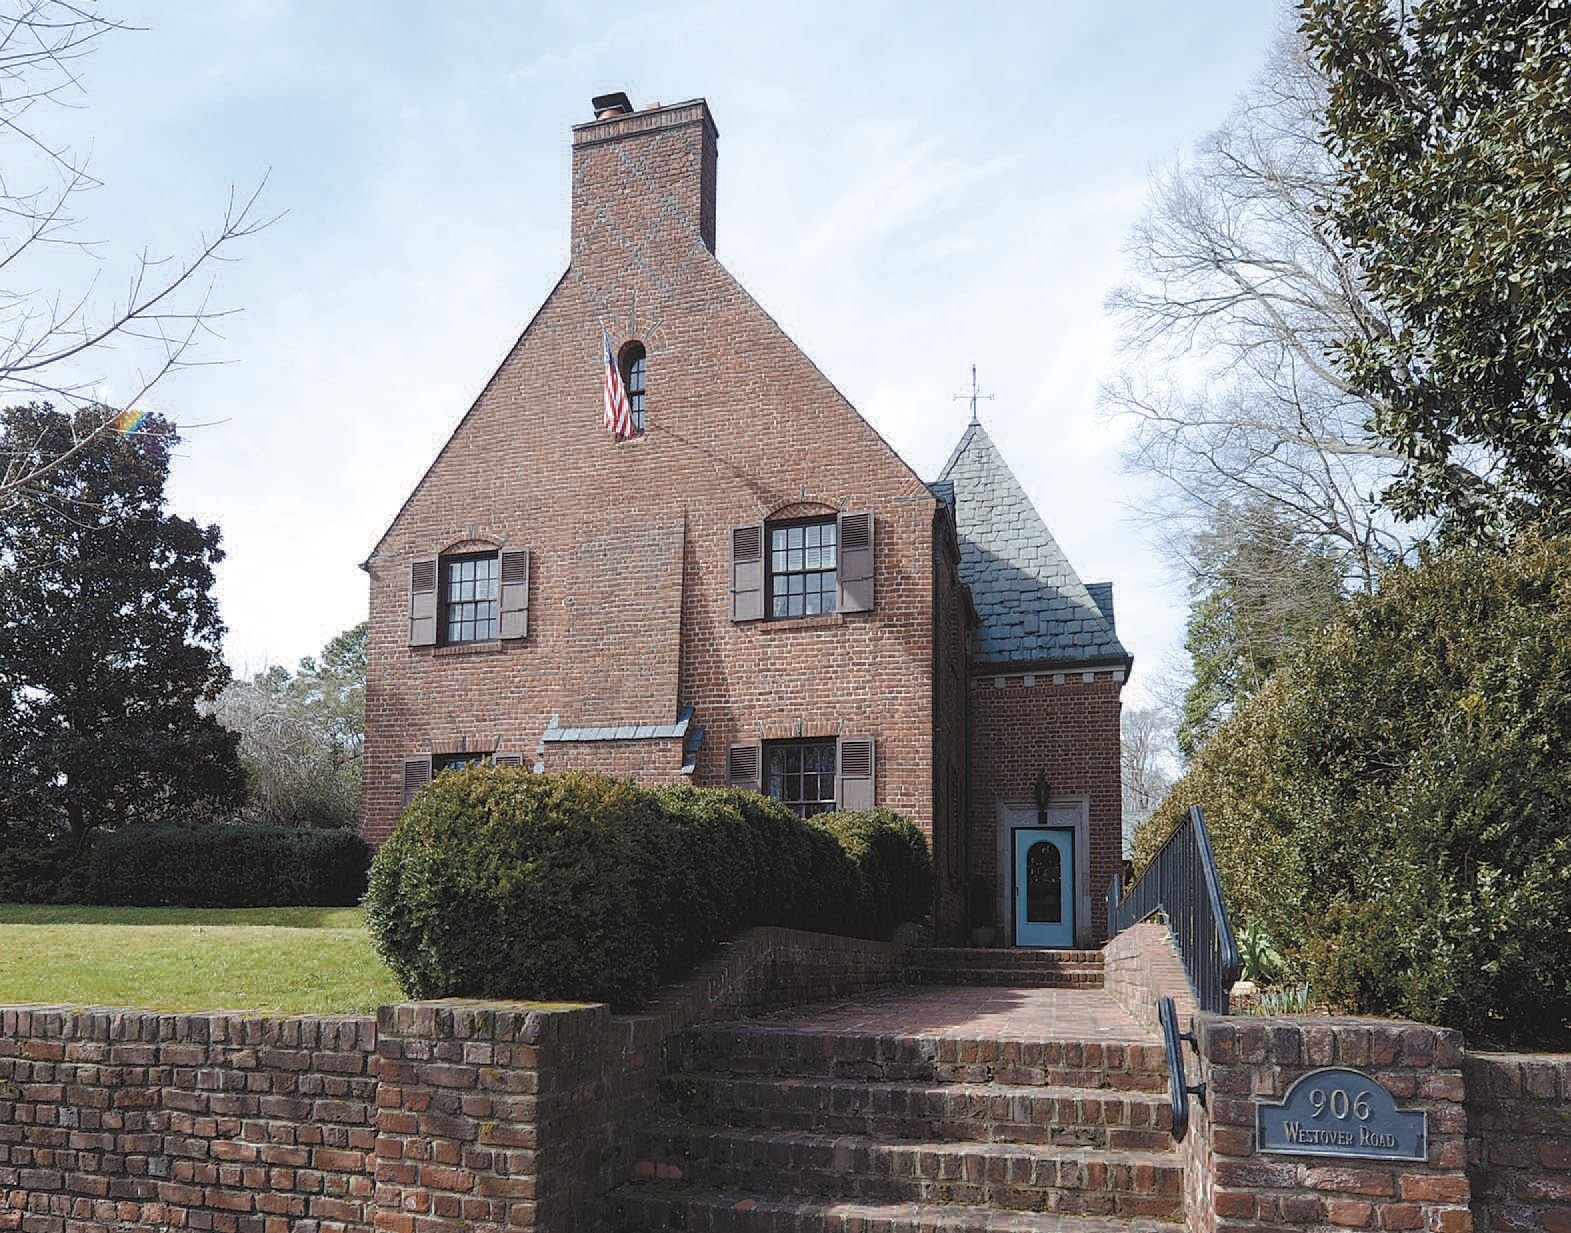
[[969, 1012]]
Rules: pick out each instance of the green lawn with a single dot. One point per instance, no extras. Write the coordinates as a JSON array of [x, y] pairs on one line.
[[285, 960]]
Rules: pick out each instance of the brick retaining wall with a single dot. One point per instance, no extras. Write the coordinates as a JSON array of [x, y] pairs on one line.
[[429, 1118], [1256, 1058], [1519, 1141], [1499, 1123], [110, 1119], [1140, 967]]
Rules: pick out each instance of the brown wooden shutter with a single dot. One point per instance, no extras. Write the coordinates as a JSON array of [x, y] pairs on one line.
[[513, 568], [507, 759], [854, 783], [422, 602], [856, 562], [417, 773], [744, 767], [747, 572]]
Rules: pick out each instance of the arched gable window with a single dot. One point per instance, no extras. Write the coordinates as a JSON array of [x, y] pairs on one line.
[[633, 360]]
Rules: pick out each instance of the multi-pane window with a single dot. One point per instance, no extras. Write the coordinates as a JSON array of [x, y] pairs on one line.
[[633, 361], [469, 598], [801, 774], [803, 561], [457, 762]]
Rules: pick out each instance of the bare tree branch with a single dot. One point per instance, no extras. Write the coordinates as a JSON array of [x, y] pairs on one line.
[[61, 345], [1240, 294]]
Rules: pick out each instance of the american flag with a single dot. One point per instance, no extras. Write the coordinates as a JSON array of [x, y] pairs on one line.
[[618, 413]]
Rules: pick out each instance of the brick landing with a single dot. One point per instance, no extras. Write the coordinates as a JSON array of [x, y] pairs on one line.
[[973, 1013]]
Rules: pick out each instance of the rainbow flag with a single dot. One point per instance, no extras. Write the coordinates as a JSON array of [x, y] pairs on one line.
[[128, 422]]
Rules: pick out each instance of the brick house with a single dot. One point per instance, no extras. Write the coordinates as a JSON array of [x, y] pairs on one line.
[[753, 590]]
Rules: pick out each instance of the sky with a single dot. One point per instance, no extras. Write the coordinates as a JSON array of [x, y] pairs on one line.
[[909, 189]]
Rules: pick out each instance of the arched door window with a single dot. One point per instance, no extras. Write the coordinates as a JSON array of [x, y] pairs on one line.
[[1044, 883], [635, 378]]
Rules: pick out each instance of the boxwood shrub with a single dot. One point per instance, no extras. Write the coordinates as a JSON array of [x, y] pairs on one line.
[[502, 883], [1391, 807], [227, 865]]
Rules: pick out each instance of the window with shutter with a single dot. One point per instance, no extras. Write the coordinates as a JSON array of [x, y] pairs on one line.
[[742, 766], [855, 786], [417, 773], [747, 573], [856, 562], [801, 774], [513, 567], [422, 602]]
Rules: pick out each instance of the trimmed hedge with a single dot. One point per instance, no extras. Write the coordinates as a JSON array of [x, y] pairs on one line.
[[40, 870], [1391, 807], [227, 865], [502, 883]]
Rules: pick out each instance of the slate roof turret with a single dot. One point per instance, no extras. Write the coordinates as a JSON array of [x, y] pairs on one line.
[[1034, 609]]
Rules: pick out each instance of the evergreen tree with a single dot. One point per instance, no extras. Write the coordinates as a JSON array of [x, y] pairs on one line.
[[109, 634]]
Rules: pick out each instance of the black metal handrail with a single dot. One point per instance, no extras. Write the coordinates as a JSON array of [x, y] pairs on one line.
[[1181, 882], [1178, 1091]]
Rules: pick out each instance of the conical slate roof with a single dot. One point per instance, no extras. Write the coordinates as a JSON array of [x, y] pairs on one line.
[[1035, 610]]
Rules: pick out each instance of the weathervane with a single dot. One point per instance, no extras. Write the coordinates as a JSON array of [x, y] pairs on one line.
[[973, 395]]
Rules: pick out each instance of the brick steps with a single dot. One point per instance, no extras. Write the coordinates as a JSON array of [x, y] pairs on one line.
[[650, 1208], [1016, 955], [978, 1112], [749, 1049], [1061, 977], [1024, 968], [1011, 1176], [1023, 1111]]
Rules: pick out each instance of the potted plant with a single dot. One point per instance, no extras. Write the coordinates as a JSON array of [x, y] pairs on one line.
[[984, 923]]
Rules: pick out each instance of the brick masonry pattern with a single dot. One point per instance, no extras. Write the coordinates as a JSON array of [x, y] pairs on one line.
[[429, 1118], [1140, 967], [1519, 1141]]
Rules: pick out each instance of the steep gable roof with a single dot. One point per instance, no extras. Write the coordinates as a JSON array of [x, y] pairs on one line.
[[1033, 606]]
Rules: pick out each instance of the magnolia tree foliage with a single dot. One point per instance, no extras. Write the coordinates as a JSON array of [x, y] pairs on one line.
[[1391, 806], [1450, 121], [110, 640], [301, 734]]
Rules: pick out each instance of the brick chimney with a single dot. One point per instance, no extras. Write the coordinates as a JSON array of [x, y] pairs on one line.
[[637, 172]]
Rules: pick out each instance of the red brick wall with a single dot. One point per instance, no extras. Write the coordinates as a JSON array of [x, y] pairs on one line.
[[430, 1118], [630, 568], [1519, 1141], [1231, 1188], [134, 1119], [1140, 967], [1070, 727]]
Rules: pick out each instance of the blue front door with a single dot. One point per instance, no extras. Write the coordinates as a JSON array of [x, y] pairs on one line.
[[1044, 887]]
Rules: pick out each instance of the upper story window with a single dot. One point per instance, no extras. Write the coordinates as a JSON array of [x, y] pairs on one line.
[[803, 568], [634, 362], [469, 598]]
